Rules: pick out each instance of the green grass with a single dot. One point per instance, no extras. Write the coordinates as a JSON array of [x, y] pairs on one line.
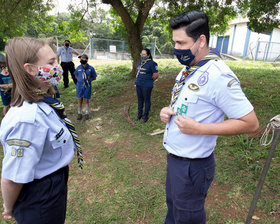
[[124, 176]]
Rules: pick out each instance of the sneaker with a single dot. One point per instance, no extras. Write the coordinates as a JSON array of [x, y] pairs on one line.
[[144, 119], [80, 116], [86, 117], [137, 118]]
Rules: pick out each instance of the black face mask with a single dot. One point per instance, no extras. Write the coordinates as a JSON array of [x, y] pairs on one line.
[[83, 62], [67, 45]]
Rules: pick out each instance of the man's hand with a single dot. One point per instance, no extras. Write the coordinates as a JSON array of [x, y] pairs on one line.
[[165, 114], [187, 125]]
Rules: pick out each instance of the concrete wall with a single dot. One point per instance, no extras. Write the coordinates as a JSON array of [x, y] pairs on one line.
[[247, 44]]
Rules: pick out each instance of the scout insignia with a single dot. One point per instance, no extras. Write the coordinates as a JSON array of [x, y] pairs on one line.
[[184, 109], [178, 111], [20, 152], [14, 151], [193, 87], [19, 142], [230, 83], [203, 79], [17, 152]]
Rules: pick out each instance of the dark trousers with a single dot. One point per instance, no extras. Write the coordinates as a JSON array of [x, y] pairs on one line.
[[187, 183], [144, 97], [68, 66], [43, 201]]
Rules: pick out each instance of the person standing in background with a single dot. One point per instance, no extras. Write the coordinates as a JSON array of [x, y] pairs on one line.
[[5, 88], [66, 54], [147, 73], [85, 74]]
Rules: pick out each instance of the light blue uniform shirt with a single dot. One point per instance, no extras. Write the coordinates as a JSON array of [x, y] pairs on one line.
[[65, 53], [210, 93], [36, 142]]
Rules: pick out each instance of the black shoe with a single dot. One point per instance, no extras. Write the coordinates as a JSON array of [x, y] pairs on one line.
[[87, 117], [137, 118], [144, 119], [80, 117], [66, 87]]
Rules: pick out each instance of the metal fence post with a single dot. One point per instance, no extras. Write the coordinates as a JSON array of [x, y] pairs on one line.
[[263, 175]]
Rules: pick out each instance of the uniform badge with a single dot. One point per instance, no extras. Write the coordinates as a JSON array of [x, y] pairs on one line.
[[19, 142], [184, 109], [14, 152], [193, 87], [230, 83], [20, 152], [203, 79], [178, 111]]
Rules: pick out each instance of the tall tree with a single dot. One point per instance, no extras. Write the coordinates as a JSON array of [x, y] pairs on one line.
[[134, 13]]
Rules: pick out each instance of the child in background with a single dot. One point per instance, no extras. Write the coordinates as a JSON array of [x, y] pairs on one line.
[[84, 74], [5, 88]]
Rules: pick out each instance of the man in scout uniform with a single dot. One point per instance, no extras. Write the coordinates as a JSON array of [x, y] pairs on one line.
[[66, 53], [205, 91]]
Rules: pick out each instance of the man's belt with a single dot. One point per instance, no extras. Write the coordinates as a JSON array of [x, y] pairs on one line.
[[185, 158]]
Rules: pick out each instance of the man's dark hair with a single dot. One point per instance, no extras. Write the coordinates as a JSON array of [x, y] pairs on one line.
[[67, 41], [148, 52], [195, 22]]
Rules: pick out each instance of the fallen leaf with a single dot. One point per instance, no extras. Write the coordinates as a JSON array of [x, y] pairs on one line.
[[255, 217]]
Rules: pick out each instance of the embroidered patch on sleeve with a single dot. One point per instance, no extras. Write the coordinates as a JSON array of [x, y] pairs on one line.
[[230, 83], [19, 142], [203, 79]]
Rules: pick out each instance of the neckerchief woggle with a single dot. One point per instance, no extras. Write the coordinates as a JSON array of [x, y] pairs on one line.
[[189, 70], [59, 109]]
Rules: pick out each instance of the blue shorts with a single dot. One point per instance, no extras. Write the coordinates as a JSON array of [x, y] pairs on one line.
[[6, 97], [83, 91]]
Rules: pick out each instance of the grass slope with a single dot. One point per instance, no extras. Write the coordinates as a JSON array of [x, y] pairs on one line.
[[124, 176]]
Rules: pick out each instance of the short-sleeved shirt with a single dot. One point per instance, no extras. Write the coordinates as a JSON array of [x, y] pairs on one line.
[[209, 93], [36, 142], [145, 73], [65, 53], [85, 74]]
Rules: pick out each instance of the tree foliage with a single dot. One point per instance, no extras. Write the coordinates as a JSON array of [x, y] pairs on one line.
[[18, 15], [263, 15]]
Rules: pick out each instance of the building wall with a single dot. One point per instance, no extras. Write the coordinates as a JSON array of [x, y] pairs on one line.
[[247, 44]]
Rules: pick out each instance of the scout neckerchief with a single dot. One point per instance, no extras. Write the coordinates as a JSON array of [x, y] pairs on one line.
[[141, 66], [86, 82], [213, 54], [59, 109]]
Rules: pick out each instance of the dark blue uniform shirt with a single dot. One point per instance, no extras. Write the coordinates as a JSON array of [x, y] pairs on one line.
[[90, 74], [145, 75]]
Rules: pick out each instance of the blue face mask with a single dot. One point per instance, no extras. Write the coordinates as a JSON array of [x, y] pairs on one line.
[[185, 57]]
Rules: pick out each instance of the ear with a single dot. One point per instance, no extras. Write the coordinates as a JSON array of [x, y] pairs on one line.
[[30, 69], [203, 41]]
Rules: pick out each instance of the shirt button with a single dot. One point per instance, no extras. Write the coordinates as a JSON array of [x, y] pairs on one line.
[[186, 98], [64, 141], [164, 143]]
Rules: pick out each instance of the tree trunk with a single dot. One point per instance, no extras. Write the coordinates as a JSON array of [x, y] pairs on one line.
[[134, 29]]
